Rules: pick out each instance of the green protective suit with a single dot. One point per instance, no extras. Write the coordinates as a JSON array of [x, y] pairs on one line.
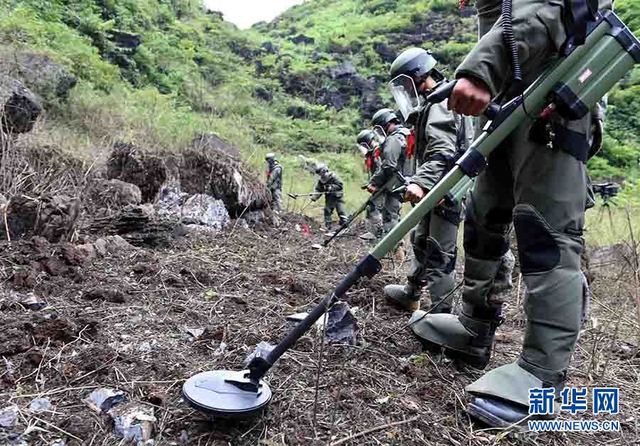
[[537, 181], [274, 184], [434, 239], [394, 161], [374, 220], [333, 198]]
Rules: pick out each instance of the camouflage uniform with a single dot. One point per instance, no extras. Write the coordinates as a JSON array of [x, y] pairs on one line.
[[393, 162], [334, 198], [274, 184]]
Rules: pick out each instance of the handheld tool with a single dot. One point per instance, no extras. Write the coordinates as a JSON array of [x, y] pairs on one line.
[[571, 86]]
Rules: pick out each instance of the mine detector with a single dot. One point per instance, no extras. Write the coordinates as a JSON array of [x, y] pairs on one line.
[[571, 86]]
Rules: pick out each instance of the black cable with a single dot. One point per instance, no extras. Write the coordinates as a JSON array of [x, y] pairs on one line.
[[510, 41]]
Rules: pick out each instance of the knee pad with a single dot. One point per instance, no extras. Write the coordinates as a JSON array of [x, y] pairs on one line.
[[538, 249]]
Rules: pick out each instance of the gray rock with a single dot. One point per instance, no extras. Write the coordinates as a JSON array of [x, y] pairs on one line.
[[205, 210], [114, 194], [111, 245], [28, 300], [133, 422], [102, 400], [19, 107], [342, 326], [41, 74], [39, 405], [9, 416], [345, 69]]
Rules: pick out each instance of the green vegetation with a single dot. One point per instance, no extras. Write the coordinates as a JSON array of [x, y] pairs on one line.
[[159, 72]]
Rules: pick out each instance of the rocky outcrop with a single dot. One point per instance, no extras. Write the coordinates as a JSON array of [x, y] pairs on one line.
[[19, 107], [41, 74], [211, 166], [51, 217], [132, 165]]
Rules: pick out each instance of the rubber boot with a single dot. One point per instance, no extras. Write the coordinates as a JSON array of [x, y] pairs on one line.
[[406, 297], [468, 337]]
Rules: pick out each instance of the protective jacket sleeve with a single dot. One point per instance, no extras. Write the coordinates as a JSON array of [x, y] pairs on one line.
[[440, 149], [391, 154], [539, 33]]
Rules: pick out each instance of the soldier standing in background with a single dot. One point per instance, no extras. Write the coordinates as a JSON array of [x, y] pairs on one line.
[[370, 142], [274, 180], [331, 186]]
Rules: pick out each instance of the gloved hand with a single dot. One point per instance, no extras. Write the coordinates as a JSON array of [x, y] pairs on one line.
[[315, 197]]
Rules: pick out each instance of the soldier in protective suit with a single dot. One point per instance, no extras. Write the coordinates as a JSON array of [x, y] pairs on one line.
[[440, 136], [394, 162], [332, 187], [274, 180], [370, 142], [537, 180]]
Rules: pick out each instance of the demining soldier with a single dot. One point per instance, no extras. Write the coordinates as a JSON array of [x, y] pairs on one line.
[[537, 180], [274, 180], [439, 136], [394, 164], [369, 142], [331, 186]]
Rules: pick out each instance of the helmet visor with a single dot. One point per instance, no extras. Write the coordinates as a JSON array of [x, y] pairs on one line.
[[404, 91], [381, 135]]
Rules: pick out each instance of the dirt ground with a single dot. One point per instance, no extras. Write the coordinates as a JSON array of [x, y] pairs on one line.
[[123, 321]]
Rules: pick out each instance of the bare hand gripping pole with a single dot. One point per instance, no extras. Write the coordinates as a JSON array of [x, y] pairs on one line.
[[571, 86]]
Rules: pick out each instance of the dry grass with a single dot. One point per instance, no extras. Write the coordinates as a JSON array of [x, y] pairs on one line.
[[240, 285]]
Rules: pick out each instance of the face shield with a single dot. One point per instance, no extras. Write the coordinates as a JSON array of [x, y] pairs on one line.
[[381, 135], [363, 149], [403, 89]]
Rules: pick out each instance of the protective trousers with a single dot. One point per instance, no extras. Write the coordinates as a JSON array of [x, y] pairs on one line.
[[334, 204], [391, 210], [374, 216], [543, 191], [434, 249], [276, 196]]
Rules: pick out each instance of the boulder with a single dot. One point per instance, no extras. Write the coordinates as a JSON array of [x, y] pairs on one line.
[[41, 74], [51, 217], [19, 107], [132, 165], [201, 209], [113, 194], [139, 226]]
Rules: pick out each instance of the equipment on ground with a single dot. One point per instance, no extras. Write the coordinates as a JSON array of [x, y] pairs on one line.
[[607, 192], [311, 194], [571, 86]]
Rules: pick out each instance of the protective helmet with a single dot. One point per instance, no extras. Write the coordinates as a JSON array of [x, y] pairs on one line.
[[413, 62], [321, 169], [383, 117], [366, 137], [270, 157]]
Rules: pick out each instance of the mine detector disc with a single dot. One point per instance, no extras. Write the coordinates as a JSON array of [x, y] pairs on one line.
[[226, 394]]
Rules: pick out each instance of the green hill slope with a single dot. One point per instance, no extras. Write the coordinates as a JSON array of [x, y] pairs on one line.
[[159, 72]]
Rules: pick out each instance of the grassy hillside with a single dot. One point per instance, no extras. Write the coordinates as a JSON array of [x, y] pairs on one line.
[[159, 72]]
